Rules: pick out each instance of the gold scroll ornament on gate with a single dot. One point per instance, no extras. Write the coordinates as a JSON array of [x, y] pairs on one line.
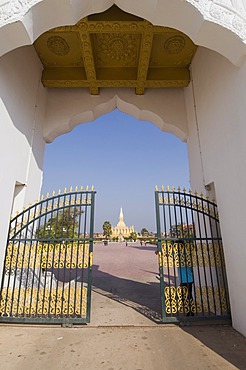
[[208, 298], [59, 300], [47, 256]]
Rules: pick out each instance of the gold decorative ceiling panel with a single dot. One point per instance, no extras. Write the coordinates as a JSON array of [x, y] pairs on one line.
[[115, 49]]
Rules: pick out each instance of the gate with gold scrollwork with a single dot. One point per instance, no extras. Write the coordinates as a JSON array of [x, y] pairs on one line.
[[191, 261], [48, 261]]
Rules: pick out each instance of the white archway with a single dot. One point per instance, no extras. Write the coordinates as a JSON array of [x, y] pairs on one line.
[[166, 110], [22, 22], [214, 106]]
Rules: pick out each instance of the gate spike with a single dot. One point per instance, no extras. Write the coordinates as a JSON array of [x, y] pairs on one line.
[[168, 187], [65, 190], [42, 197], [173, 188], [76, 188], [196, 193], [53, 193], [92, 188], [190, 191], [163, 188], [179, 188], [87, 188], [184, 190], [201, 195], [17, 212], [156, 188], [59, 191], [71, 189], [47, 195], [81, 188]]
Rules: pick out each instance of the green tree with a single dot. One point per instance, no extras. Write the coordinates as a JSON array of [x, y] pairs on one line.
[[107, 229], [134, 236], [182, 231], [144, 232], [63, 225]]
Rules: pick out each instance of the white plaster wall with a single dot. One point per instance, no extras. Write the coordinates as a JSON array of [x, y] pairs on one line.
[[66, 108], [22, 101], [220, 135]]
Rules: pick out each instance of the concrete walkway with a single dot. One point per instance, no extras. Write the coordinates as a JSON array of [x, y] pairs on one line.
[[124, 333]]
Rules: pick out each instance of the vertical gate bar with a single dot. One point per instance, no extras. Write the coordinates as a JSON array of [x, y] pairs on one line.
[[28, 268], [164, 215], [182, 236], [52, 251], [64, 245], [4, 273], [46, 246], [77, 254], [222, 258], [175, 256], [80, 254], [208, 251], [83, 258], [187, 251], [70, 245], [59, 248], [85, 200], [168, 205], [196, 248], [35, 251], [32, 254], [40, 252], [163, 306], [180, 275], [164, 244], [76, 297], [191, 245], [8, 289], [215, 259], [43, 265], [90, 254], [21, 268], [14, 268], [202, 253], [12, 271], [176, 236]]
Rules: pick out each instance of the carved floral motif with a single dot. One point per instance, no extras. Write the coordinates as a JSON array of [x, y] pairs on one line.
[[117, 48], [58, 45], [174, 45]]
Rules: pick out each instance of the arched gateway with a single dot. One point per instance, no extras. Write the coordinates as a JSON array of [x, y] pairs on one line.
[[206, 108]]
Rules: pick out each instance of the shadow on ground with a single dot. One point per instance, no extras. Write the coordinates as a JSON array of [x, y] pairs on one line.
[[223, 340], [142, 297]]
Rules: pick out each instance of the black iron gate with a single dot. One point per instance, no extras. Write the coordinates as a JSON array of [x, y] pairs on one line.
[[47, 268], [191, 260]]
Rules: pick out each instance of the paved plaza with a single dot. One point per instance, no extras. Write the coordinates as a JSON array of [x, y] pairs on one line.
[[124, 333]]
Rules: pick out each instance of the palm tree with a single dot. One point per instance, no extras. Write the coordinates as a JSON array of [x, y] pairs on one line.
[[107, 229]]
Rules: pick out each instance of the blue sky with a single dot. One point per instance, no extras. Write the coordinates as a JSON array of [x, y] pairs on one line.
[[124, 159]]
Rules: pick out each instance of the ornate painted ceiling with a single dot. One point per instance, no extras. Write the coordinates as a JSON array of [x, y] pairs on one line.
[[115, 49]]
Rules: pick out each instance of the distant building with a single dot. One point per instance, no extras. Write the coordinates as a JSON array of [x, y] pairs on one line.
[[121, 231]]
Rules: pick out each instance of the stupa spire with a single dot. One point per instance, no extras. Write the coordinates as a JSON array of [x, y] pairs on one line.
[[121, 218]]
